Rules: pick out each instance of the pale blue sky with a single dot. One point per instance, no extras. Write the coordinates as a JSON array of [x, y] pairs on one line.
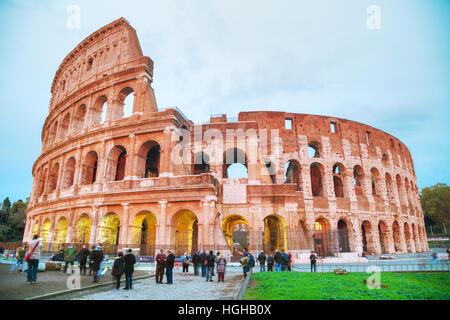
[[213, 56]]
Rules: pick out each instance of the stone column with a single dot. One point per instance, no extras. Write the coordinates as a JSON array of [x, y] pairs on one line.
[[125, 225], [52, 229], [129, 169], [69, 234], [165, 150], [94, 225], [161, 236]]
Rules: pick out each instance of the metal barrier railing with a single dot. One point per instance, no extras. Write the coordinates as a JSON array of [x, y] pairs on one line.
[[395, 267]]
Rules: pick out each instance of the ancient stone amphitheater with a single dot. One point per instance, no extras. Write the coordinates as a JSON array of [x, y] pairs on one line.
[[118, 171]]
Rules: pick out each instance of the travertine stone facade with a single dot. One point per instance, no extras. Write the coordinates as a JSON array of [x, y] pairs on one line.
[[108, 177]]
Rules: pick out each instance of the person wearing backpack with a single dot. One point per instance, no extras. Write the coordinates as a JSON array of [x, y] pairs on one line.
[[129, 261], [251, 262], [278, 260], [209, 262], [69, 257], [82, 259], [262, 262], [32, 258], [221, 264], [185, 263], [96, 258], [270, 263], [118, 269]]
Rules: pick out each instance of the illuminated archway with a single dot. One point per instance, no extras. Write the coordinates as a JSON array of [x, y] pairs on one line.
[[275, 236], [45, 230], [83, 229], [184, 233], [109, 229], [235, 229], [61, 230], [321, 237], [143, 233]]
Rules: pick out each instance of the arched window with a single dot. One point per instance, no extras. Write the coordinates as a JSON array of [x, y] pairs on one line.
[[358, 178], [314, 149], [99, 109], [235, 164], [53, 178], [69, 173], [115, 164], [64, 128], [338, 171], [126, 101], [79, 117], [120, 169], [292, 173], [201, 163], [375, 181], [271, 170], [89, 174], [390, 189], [316, 171], [152, 162]]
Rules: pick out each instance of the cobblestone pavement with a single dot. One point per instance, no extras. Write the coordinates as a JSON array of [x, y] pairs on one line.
[[183, 288]]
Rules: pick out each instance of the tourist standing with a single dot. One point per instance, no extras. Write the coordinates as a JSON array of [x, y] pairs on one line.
[[251, 262], [262, 262], [69, 257], [96, 259], [284, 261], [169, 266], [278, 260], [202, 263], [185, 263], [313, 258], [290, 261], [118, 269], [82, 259], [196, 262], [20, 255], [221, 264], [34, 254], [210, 260], [244, 262], [129, 261], [160, 266], [90, 261], [270, 263]]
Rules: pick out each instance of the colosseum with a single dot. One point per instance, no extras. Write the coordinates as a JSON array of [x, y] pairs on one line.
[[116, 170]]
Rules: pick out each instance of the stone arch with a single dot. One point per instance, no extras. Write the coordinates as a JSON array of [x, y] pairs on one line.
[[314, 149], [149, 155], [53, 178], [115, 163], [90, 166], [408, 239], [367, 237], [275, 235], [396, 234], [125, 100], [358, 180], [52, 133], [79, 118], [338, 180], [69, 173], [316, 174], [108, 230], [321, 237], [390, 189], [83, 229], [143, 232], [42, 181], [293, 173], [64, 126], [344, 235], [415, 238], [385, 160], [375, 182], [99, 109], [45, 230], [201, 163], [184, 231], [383, 234], [235, 229], [234, 161], [61, 230], [401, 195]]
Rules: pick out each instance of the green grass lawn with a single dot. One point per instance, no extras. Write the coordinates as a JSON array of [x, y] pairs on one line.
[[329, 286]]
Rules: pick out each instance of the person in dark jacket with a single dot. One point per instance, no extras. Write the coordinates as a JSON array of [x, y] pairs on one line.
[[96, 258], [82, 259], [210, 260], [278, 260], [270, 263], [196, 262], [90, 261], [262, 262], [251, 262], [313, 258], [203, 256], [285, 259], [130, 261], [160, 266], [118, 269], [169, 266]]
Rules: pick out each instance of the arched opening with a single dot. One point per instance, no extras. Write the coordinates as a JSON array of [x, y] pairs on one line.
[[235, 229], [415, 238], [385, 160], [314, 149], [109, 229], [235, 164], [42, 182], [83, 229], [61, 230], [149, 159], [53, 178], [115, 164], [89, 172], [143, 233], [321, 238], [344, 243], [184, 233], [99, 109], [316, 171], [401, 195], [52, 133], [201, 163], [407, 237], [45, 231], [375, 182], [390, 189], [383, 237], [338, 178], [79, 118], [367, 238], [358, 180], [64, 128], [292, 173], [69, 173], [397, 236], [275, 236], [126, 101], [271, 171]]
